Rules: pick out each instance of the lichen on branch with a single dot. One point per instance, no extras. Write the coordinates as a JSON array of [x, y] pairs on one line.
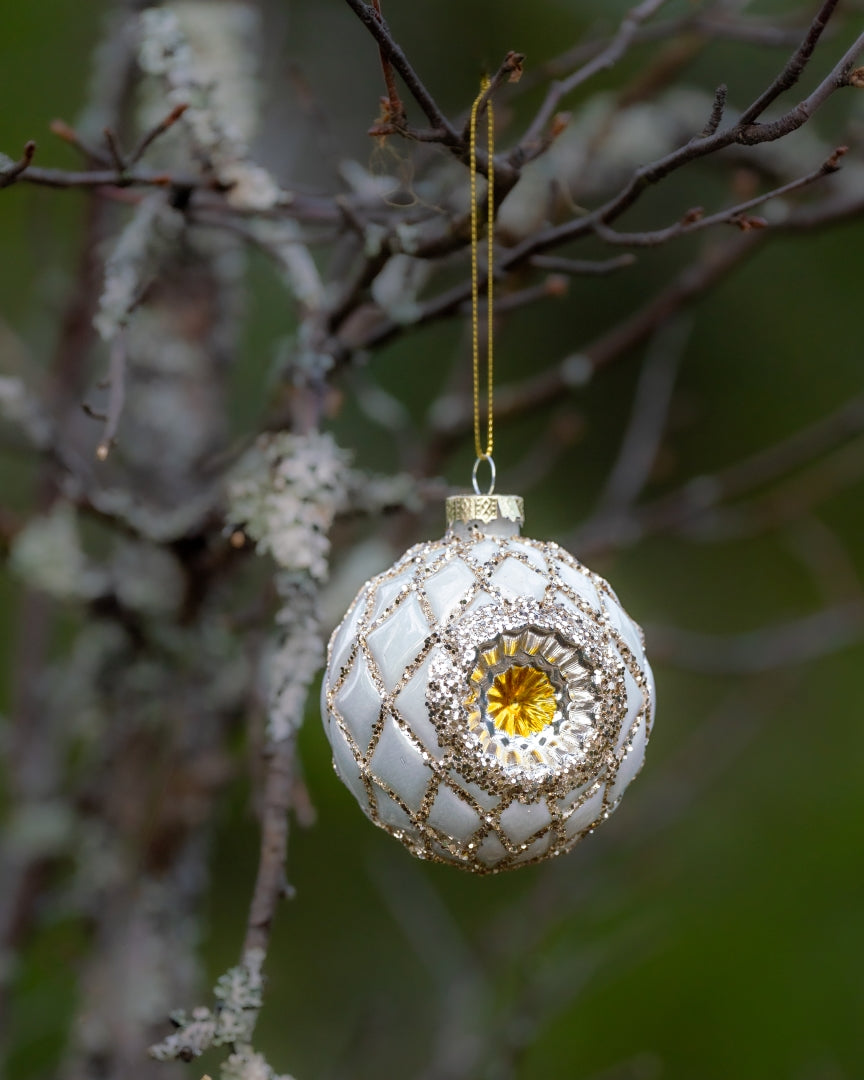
[[231, 1022]]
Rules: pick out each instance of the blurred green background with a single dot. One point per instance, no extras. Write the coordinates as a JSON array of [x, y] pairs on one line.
[[710, 931]]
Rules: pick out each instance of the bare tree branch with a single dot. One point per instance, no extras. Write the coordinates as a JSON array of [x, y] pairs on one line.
[[542, 389], [694, 220], [717, 23], [794, 69], [509, 71], [791, 500], [757, 471], [644, 432], [13, 172], [270, 882], [116, 394], [704, 507], [769, 647], [99, 178], [582, 267], [149, 137], [611, 54], [751, 133], [394, 55], [717, 110], [393, 111], [69, 135], [747, 132]]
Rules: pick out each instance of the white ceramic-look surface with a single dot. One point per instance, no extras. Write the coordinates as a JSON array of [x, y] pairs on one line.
[[388, 746]]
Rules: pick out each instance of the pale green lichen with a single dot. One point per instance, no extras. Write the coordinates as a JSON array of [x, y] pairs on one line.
[[191, 48], [296, 656], [151, 232], [396, 289], [231, 1023], [249, 1065], [18, 406], [146, 578], [48, 555], [374, 493], [159, 524], [283, 239], [285, 492], [40, 829], [224, 37]]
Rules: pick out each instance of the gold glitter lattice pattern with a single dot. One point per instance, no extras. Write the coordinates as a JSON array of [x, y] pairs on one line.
[[399, 674]]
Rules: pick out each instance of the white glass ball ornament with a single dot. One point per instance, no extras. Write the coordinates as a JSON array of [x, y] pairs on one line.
[[487, 698]]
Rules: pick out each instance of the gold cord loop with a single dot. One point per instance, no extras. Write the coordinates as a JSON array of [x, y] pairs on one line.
[[482, 454]]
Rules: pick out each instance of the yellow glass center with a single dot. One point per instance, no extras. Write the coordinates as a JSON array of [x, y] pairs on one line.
[[521, 701]]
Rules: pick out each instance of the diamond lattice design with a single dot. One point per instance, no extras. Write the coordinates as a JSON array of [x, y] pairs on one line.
[[399, 676], [359, 696]]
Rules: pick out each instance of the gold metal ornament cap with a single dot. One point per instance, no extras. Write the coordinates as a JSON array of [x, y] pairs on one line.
[[464, 509]]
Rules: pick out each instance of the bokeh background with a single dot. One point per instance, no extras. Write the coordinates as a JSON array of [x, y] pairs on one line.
[[712, 929]]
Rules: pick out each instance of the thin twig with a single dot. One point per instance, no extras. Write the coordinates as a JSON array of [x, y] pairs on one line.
[[582, 267], [9, 175], [394, 55], [355, 286], [114, 151], [270, 882], [648, 414], [794, 67], [150, 136], [648, 175], [554, 286], [509, 71], [95, 178], [565, 427], [717, 109], [694, 221], [69, 135], [704, 508], [757, 470], [769, 511], [753, 133], [794, 642], [116, 395], [530, 142], [644, 177], [393, 110], [826, 558], [748, 31]]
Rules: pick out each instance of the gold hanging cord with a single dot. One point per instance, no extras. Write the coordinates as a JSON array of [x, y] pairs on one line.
[[482, 454]]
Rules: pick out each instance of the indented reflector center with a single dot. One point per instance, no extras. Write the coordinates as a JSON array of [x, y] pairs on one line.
[[521, 701]]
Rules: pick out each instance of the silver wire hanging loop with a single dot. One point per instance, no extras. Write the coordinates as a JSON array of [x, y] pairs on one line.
[[477, 464]]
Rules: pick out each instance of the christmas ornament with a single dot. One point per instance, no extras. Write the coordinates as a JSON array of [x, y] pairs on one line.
[[487, 698]]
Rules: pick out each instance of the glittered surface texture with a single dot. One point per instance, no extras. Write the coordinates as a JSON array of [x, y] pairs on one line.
[[487, 700]]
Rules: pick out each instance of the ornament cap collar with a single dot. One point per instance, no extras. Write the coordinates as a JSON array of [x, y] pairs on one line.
[[485, 509]]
